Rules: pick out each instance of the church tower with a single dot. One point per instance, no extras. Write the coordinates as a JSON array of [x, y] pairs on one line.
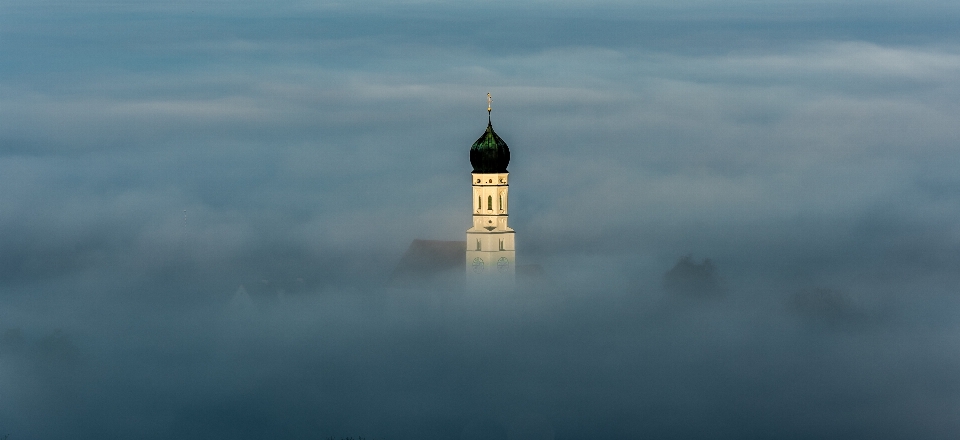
[[490, 242]]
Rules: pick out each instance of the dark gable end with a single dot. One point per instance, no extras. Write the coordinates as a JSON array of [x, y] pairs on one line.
[[428, 262]]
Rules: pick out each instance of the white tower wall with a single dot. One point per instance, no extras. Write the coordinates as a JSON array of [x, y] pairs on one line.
[[491, 251]]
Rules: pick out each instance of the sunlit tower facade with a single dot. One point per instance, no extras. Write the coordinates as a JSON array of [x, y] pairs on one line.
[[491, 253]]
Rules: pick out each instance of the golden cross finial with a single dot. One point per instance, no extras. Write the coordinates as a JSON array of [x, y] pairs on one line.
[[489, 101]]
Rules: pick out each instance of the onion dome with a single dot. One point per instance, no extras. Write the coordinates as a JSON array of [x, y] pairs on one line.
[[489, 154]]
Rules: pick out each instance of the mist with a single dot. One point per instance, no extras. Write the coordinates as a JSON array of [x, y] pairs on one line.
[[746, 218]]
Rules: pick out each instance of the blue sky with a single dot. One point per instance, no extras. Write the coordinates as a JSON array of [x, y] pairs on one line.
[[798, 145]]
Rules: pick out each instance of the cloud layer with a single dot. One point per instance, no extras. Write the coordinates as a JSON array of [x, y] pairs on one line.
[[153, 158]]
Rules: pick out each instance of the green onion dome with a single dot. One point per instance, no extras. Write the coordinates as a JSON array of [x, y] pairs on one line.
[[489, 154]]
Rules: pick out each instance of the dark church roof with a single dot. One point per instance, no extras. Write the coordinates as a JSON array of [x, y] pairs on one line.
[[436, 263], [429, 262], [489, 154]]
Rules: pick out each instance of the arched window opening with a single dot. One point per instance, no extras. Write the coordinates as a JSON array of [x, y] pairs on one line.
[[501, 202], [490, 203], [479, 203], [478, 244], [501, 245]]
